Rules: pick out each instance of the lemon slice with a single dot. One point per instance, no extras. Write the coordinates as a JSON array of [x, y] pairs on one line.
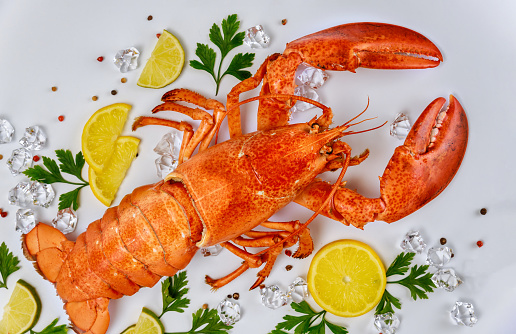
[[105, 184], [148, 323], [129, 330], [346, 278], [165, 64], [22, 311], [100, 133]]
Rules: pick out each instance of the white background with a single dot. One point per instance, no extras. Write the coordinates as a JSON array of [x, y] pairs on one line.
[[56, 43]]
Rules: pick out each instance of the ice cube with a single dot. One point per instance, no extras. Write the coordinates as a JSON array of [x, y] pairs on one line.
[[256, 38], [20, 160], [127, 59], [6, 131], [34, 138]]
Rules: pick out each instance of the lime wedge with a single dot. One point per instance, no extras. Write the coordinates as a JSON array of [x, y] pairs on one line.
[[148, 323], [22, 311]]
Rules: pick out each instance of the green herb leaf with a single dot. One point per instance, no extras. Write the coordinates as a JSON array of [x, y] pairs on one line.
[[173, 290], [206, 321], [52, 329], [226, 40], [8, 264], [401, 264], [305, 323], [386, 303], [419, 282], [238, 63], [53, 175]]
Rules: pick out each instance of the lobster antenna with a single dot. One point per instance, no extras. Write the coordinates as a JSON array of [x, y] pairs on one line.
[[360, 114], [284, 96]]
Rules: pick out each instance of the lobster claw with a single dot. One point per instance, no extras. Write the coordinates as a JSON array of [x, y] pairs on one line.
[[431, 155], [366, 44]]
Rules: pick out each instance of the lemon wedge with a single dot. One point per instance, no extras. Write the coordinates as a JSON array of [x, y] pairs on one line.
[[346, 278], [22, 311], [165, 64], [148, 323], [101, 132], [105, 184]]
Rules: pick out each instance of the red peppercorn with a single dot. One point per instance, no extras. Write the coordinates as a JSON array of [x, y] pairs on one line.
[[60, 118], [158, 35], [35, 158], [3, 214], [480, 243], [100, 58], [288, 252]]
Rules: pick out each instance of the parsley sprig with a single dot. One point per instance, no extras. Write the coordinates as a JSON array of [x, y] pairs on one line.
[[52, 329], [173, 291], [305, 323], [53, 175], [8, 264], [206, 321], [226, 41], [418, 281]]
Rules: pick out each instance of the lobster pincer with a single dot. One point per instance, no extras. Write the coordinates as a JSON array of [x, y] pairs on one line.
[[342, 48]]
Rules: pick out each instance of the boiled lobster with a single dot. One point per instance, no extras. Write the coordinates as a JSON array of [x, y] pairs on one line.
[[220, 194]]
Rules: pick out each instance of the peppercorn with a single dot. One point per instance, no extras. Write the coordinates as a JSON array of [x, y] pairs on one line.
[[236, 295], [158, 35], [204, 306], [3, 214], [149, 18], [1, 156], [442, 241], [94, 98], [229, 296], [100, 59], [60, 118], [114, 92], [288, 268], [480, 243], [288, 252], [284, 21], [483, 211], [35, 158], [54, 88], [123, 80]]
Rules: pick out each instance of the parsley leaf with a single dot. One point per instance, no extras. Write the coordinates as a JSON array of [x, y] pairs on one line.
[[52, 329], [305, 323], [226, 40], [8, 264], [206, 321], [173, 290], [418, 281], [53, 175]]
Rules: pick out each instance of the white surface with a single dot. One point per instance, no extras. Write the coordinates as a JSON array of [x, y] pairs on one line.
[[56, 43]]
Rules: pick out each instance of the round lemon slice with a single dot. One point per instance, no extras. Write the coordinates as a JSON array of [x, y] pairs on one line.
[[148, 323], [101, 132], [165, 64], [22, 311], [346, 278], [105, 184]]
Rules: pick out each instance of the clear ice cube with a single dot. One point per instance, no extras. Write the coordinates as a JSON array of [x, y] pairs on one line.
[[65, 221], [25, 220], [445, 278], [310, 76], [167, 145], [464, 314], [298, 290], [34, 138], [304, 91], [21, 195], [20, 160], [229, 311], [439, 256], [6, 131], [256, 38], [127, 59], [212, 250], [165, 165], [166, 148], [400, 127], [386, 323], [413, 243], [42, 194], [273, 297]]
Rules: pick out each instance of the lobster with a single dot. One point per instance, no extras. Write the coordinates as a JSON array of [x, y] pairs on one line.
[[222, 193]]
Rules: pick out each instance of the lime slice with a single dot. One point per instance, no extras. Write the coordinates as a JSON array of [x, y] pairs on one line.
[[346, 278], [22, 311], [129, 330], [100, 133], [148, 323], [105, 184], [165, 64]]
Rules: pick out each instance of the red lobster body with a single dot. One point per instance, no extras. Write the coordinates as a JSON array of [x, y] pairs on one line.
[[220, 194]]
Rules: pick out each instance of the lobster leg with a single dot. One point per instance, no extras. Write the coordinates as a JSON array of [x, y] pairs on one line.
[[207, 129], [418, 171]]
